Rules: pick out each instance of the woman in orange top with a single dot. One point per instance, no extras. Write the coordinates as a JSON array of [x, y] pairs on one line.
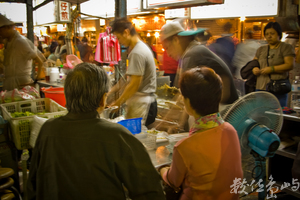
[[206, 163]]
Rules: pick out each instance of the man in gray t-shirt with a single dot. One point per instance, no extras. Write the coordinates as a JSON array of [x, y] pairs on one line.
[[141, 85]]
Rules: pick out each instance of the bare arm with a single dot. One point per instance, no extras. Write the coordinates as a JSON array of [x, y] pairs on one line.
[[117, 87], [40, 59], [286, 66], [130, 89]]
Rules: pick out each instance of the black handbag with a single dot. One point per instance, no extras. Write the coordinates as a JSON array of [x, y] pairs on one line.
[[171, 192], [282, 86]]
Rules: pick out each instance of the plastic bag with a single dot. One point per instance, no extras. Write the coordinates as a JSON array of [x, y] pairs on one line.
[[15, 95], [31, 91], [36, 126]]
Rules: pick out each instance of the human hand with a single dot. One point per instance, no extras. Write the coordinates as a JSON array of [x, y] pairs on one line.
[[175, 129], [39, 77], [256, 71], [163, 170], [266, 71]]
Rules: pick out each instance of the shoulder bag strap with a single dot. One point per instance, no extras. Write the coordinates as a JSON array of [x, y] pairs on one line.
[[176, 189], [268, 60]]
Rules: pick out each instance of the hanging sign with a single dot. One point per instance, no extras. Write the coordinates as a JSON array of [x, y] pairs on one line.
[[64, 11]]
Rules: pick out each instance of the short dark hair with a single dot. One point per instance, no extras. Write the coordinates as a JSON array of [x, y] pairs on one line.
[[84, 39], [62, 38], [84, 87], [227, 26], [53, 46], [276, 26], [120, 24], [64, 51], [203, 87]]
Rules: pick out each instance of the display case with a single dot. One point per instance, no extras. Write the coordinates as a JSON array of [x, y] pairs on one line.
[[280, 166]]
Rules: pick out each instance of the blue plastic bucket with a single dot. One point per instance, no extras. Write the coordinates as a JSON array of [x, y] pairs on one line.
[[134, 125]]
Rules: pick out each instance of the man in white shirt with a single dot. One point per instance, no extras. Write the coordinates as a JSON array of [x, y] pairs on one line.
[[141, 85]]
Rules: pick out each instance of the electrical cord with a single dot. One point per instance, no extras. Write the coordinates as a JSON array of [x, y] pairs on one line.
[[252, 174]]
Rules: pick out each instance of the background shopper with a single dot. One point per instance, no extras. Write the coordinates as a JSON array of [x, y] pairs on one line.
[[18, 56], [206, 163], [275, 59]]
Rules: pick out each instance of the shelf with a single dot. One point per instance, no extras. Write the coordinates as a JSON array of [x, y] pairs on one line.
[[292, 117], [286, 153]]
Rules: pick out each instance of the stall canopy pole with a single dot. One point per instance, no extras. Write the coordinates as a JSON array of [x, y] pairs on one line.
[[29, 11], [120, 12]]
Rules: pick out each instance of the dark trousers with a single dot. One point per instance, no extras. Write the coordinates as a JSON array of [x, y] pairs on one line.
[[152, 113], [172, 78]]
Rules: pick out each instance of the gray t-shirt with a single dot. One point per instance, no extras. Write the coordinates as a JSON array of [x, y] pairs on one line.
[[141, 63], [276, 57]]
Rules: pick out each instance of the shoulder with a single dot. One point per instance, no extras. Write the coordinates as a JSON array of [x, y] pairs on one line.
[[24, 42], [228, 126], [287, 48], [197, 49], [141, 48], [286, 45], [263, 47]]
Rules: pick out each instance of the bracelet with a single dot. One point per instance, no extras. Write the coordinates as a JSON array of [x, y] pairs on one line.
[[162, 166], [273, 70]]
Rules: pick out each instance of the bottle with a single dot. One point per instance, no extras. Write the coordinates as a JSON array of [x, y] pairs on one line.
[[58, 63], [295, 97], [54, 74]]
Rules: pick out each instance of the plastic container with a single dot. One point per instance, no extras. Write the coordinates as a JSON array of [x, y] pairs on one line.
[[295, 95], [174, 138], [54, 74], [55, 93], [134, 125], [149, 142], [72, 61], [21, 126], [296, 84]]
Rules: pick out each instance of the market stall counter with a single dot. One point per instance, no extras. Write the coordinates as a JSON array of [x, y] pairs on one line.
[[160, 156], [44, 83]]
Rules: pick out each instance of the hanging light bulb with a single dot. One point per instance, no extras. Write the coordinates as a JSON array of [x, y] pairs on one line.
[[156, 19], [242, 18], [156, 34], [148, 35]]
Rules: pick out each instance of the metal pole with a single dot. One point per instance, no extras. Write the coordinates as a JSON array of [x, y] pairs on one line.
[[29, 11], [120, 69], [120, 12]]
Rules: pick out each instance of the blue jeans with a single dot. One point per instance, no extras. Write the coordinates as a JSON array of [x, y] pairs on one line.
[[282, 98]]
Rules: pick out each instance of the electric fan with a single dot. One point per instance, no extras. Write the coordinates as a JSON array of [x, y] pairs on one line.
[[257, 118]]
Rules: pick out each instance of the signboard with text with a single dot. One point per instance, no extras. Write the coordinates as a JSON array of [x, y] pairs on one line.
[[64, 11], [172, 3], [236, 8]]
